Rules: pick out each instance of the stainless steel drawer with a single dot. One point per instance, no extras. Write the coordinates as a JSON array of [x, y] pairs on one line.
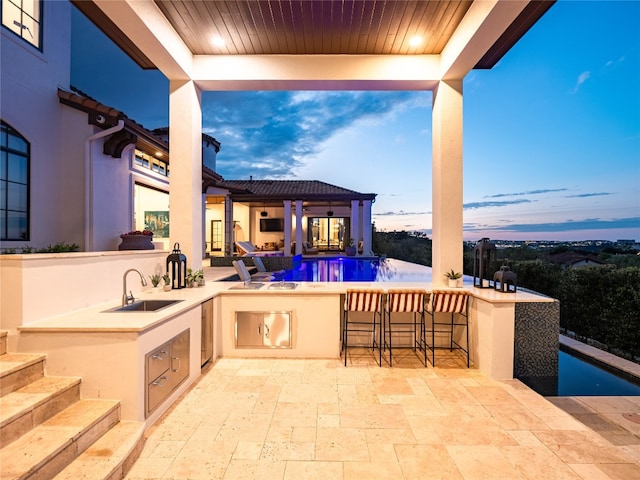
[[158, 390], [158, 360]]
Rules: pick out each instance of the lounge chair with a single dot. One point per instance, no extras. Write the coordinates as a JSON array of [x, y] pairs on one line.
[[248, 249], [257, 261], [245, 248], [245, 276], [308, 249]]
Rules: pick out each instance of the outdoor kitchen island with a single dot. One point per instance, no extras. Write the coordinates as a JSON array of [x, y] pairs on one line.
[[109, 350]]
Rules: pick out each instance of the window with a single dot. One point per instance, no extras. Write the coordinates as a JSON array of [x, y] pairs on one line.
[[147, 161], [23, 17], [14, 185]]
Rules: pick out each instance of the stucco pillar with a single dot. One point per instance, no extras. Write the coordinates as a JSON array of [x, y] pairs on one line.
[[447, 179], [229, 230], [366, 227], [355, 223], [298, 227], [185, 182], [287, 227]]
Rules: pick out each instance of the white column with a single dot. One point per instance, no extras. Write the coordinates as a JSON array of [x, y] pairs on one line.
[[366, 227], [355, 222], [229, 232], [298, 227], [185, 182], [447, 179], [287, 227]]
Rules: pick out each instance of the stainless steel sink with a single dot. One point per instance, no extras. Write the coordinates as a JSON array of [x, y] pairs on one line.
[[247, 286], [282, 286], [145, 306]]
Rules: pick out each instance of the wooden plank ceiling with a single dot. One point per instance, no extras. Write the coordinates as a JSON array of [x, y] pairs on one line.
[[308, 27]]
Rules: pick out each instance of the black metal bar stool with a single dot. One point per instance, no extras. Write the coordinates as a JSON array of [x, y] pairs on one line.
[[405, 301], [366, 301], [455, 303]]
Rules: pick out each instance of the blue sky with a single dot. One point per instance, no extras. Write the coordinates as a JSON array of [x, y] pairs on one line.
[[551, 133]]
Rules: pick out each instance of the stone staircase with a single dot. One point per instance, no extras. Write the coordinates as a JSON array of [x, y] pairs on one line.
[[48, 431]]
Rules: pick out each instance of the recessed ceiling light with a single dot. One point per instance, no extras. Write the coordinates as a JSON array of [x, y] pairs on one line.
[[218, 41], [158, 154], [415, 40]]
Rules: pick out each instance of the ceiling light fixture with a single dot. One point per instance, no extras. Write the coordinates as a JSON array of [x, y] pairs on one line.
[[415, 40], [218, 41]]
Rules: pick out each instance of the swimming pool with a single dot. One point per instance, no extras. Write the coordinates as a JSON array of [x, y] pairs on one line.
[[348, 269], [577, 376]]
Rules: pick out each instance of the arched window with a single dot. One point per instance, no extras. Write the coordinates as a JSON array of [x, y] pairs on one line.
[[14, 184]]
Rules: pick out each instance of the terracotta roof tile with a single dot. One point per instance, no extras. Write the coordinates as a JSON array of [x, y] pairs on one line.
[[291, 189]]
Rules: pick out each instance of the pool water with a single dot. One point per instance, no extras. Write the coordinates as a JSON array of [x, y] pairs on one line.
[[578, 377], [348, 269]]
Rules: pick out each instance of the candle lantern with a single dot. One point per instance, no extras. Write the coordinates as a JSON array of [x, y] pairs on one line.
[[508, 280], [177, 267], [483, 254]]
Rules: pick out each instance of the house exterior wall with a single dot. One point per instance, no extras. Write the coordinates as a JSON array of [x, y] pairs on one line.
[[28, 85]]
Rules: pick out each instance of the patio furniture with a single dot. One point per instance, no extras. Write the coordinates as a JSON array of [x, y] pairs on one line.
[[363, 315], [245, 248], [405, 301], [257, 261], [455, 303], [246, 276], [308, 249]]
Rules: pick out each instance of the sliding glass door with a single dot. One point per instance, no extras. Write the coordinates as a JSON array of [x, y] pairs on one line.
[[328, 233]]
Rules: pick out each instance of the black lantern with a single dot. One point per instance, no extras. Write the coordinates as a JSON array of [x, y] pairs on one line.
[[483, 254], [177, 265], [508, 280]]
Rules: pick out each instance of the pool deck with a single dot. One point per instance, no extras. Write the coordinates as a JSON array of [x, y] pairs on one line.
[[288, 419], [615, 418]]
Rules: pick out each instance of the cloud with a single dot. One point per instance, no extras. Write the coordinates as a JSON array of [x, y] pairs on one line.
[[529, 192], [583, 77], [585, 195], [566, 226], [474, 205], [398, 214], [281, 129]]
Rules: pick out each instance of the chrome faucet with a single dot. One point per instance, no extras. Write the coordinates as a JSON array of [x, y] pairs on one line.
[[129, 298]]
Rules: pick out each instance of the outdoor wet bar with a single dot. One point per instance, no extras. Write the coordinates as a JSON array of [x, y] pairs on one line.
[[509, 333]]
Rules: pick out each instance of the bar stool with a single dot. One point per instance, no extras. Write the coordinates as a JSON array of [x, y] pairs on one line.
[[405, 301], [366, 301], [456, 303]]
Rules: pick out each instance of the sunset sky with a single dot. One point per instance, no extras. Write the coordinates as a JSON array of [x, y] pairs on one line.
[[551, 133]]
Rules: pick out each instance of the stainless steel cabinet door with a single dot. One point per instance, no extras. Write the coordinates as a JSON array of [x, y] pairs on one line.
[[263, 329], [277, 329], [249, 329]]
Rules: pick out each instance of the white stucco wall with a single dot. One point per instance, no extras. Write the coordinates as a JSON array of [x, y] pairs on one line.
[[28, 84]]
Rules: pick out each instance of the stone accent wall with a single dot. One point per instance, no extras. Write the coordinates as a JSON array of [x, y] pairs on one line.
[[536, 340]]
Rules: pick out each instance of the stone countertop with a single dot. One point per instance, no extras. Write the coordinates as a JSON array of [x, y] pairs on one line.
[[98, 318]]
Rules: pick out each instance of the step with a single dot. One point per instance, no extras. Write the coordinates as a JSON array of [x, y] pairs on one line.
[[19, 369], [33, 404], [111, 457], [50, 447], [3, 342]]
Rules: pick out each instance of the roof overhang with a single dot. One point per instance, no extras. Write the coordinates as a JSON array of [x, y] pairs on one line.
[[478, 39]]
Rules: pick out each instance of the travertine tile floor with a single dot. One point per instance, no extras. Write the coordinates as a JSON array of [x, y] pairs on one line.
[[283, 419]]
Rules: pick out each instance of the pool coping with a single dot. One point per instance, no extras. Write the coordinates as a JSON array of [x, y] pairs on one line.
[[625, 367]]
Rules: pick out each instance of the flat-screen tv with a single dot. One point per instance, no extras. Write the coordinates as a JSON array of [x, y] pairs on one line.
[[272, 224]]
